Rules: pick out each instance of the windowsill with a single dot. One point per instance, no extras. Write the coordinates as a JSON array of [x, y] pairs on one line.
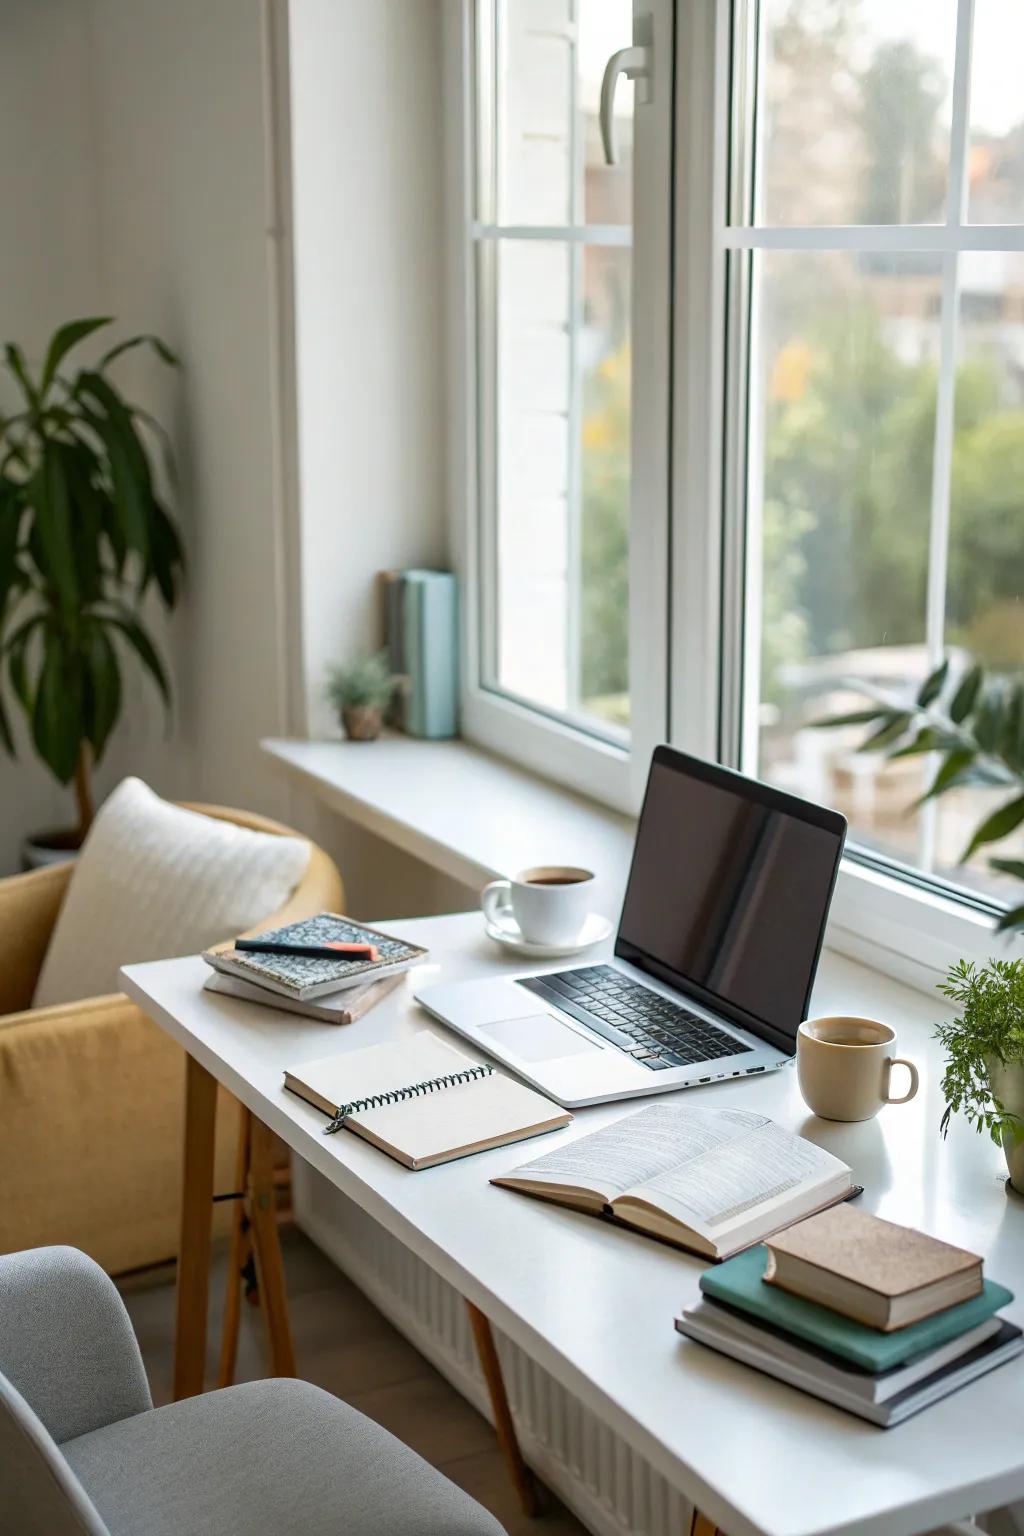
[[477, 817], [473, 816]]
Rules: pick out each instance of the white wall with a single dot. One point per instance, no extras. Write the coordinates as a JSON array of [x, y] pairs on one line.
[[185, 251], [368, 253], [49, 263], [366, 86], [136, 161]]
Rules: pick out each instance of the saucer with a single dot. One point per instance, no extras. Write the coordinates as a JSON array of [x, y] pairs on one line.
[[594, 931]]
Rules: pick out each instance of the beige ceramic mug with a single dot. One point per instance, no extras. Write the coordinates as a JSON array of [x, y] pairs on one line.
[[844, 1066]]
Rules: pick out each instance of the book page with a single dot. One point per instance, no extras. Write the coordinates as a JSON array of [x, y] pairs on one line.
[[639, 1147], [347, 1075], [720, 1189], [487, 1112]]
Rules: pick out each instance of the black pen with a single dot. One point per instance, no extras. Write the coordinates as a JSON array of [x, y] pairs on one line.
[[332, 949]]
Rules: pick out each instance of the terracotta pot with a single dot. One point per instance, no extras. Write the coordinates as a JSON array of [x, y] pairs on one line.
[[1007, 1082], [362, 722]]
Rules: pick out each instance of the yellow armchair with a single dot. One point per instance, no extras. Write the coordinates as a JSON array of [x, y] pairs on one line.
[[91, 1093]]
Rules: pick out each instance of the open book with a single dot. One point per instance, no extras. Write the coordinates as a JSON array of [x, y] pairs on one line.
[[423, 1101], [709, 1180]]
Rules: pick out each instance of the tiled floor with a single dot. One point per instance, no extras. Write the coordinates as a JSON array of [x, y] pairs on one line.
[[344, 1344]]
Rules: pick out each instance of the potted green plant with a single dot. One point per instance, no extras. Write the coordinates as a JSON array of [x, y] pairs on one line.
[[984, 1044], [361, 692], [84, 536]]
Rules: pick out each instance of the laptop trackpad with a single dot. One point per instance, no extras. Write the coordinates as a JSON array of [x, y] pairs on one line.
[[538, 1037]]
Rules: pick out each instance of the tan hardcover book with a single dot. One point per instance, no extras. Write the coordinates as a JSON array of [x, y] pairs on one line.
[[422, 1101], [712, 1181], [339, 1008], [874, 1271]]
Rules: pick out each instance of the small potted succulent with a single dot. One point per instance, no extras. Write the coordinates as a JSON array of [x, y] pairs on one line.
[[361, 693], [984, 1077]]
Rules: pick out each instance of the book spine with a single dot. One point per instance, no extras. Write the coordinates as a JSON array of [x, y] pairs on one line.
[[412, 639], [440, 656], [395, 640], [430, 630]]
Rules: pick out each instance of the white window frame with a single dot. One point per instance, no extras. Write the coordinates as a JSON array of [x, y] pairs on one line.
[[603, 765], [687, 632], [880, 917]]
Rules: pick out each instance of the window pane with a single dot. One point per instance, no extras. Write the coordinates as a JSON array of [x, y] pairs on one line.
[[842, 426], [551, 56], [854, 111], [985, 587], [603, 645], [996, 166], [563, 477], [533, 469], [604, 26]]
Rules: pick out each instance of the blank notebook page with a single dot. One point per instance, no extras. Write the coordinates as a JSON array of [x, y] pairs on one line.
[[488, 1110]]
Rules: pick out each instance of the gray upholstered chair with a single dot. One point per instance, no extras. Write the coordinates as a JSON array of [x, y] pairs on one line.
[[83, 1452]]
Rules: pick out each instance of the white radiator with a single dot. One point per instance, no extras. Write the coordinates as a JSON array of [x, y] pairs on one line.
[[611, 1489]]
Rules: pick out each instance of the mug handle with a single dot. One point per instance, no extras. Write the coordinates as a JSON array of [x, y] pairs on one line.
[[495, 900], [901, 1061]]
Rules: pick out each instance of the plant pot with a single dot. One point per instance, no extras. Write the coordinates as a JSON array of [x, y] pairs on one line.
[[1006, 1079], [362, 722], [42, 848]]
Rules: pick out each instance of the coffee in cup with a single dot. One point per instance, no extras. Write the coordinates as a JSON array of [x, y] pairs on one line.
[[844, 1066], [548, 903]]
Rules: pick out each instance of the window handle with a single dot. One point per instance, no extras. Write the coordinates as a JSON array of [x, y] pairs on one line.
[[636, 63]]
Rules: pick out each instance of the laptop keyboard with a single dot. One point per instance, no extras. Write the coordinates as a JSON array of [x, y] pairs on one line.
[[652, 1029]]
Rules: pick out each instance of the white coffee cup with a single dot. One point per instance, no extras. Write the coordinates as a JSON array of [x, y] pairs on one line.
[[549, 903], [844, 1066]]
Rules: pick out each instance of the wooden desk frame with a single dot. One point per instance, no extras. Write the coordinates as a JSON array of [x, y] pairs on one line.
[[258, 1226]]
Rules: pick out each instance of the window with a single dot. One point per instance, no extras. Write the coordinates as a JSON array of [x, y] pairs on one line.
[[876, 386], [747, 408], [555, 265]]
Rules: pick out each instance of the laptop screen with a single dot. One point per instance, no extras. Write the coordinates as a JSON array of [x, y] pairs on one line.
[[729, 891]]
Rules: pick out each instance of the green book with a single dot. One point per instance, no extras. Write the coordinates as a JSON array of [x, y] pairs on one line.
[[739, 1283], [430, 644]]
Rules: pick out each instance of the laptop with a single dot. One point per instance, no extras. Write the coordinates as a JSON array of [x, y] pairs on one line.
[[715, 956]]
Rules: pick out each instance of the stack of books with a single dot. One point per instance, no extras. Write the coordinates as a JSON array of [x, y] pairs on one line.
[[875, 1318], [333, 990], [421, 623]]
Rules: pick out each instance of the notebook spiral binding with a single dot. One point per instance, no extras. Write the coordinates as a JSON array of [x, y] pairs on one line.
[[414, 1091]]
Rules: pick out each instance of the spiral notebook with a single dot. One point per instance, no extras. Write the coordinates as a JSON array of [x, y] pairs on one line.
[[423, 1101]]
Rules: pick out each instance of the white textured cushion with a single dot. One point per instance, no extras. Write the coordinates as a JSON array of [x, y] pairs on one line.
[[152, 881]]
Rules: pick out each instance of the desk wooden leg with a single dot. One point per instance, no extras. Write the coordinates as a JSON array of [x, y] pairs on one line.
[[518, 1471], [196, 1226], [241, 1247], [268, 1250], [700, 1525]]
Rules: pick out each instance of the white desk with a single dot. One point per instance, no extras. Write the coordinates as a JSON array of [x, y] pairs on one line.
[[594, 1304]]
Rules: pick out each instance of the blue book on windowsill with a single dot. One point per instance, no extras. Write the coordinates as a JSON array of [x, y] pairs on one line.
[[739, 1283], [430, 648]]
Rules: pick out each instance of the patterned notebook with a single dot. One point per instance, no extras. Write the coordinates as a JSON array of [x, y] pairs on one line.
[[300, 977]]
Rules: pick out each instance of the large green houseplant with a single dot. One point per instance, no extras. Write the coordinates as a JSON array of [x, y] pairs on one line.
[[84, 536]]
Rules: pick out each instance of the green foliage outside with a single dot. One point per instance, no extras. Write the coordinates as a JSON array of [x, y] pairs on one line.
[[848, 489], [848, 472], [849, 420], [604, 551]]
